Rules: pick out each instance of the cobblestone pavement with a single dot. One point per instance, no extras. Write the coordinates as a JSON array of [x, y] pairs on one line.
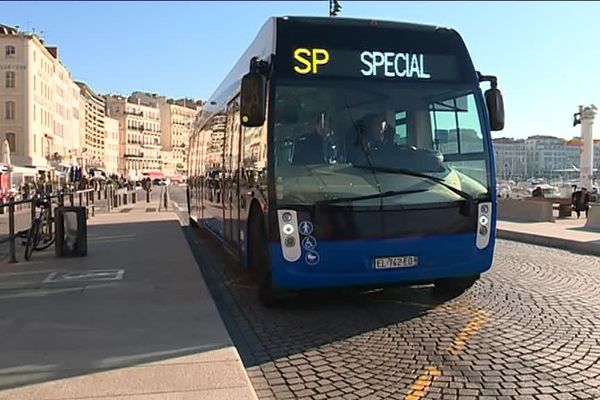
[[529, 329]]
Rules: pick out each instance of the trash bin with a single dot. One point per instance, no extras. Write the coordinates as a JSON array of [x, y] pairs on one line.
[[71, 231]]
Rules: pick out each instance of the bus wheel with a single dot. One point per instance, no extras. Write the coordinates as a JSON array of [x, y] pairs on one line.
[[454, 286], [259, 261], [269, 295]]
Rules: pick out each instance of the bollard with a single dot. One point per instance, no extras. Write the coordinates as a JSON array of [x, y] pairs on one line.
[[125, 198], [87, 198], [1, 208], [80, 199], [147, 196], [11, 233], [72, 199], [133, 197]]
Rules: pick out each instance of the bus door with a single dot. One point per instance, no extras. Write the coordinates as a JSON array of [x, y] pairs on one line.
[[231, 181]]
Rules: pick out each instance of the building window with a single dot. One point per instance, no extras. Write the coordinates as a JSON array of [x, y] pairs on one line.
[[9, 51], [10, 79], [9, 110], [12, 140]]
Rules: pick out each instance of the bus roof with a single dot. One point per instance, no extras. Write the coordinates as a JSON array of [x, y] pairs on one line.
[[264, 46], [360, 22]]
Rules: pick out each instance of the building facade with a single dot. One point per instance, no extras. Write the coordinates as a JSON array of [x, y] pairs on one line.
[[139, 134], [177, 117], [511, 158], [39, 110], [111, 146], [539, 156], [94, 116]]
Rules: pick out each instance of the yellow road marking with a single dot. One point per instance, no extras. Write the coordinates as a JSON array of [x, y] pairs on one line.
[[420, 388], [461, 339]]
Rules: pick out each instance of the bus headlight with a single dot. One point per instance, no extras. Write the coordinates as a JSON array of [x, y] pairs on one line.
[[289, 235], [288, 229], [483, 225]]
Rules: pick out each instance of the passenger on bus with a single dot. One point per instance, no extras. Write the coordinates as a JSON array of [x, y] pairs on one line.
[[314, 147]]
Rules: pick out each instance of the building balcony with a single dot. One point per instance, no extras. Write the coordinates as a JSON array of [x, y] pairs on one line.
[[151, 145], [135, 113], [133, 155]]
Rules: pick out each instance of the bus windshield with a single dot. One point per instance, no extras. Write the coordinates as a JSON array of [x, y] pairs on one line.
[[368, 141]]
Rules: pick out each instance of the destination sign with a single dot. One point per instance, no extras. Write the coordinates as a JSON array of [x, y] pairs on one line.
[[379, 64]]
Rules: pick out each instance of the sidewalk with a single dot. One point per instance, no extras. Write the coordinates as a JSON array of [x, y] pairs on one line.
[[567, 234], [132, 320]]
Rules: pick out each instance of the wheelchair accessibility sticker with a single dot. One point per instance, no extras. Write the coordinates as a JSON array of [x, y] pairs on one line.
[[309, 243]]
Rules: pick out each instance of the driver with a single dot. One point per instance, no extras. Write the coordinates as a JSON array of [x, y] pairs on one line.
[[372, 135]]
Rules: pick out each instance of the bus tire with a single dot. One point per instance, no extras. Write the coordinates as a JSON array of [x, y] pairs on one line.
[[268, 294], [454, 286]]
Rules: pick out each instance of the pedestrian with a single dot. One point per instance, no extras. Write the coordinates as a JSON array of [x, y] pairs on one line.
[[580, 200]]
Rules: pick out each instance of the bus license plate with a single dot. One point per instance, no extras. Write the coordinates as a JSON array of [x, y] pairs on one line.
[[396, 262]]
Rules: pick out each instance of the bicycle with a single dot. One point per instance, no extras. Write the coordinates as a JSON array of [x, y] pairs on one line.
[[40, 235]]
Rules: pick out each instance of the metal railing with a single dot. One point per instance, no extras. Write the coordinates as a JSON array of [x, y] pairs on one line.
[[114, 198], [83, 197]]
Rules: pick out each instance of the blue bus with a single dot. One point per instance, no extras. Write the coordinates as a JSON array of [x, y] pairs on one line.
[[346, 152]]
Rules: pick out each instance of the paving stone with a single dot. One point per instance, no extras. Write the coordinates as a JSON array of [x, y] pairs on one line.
[[527, 329]]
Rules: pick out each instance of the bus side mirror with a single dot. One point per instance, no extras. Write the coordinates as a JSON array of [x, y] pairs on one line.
[[495, 106], [253, 99]]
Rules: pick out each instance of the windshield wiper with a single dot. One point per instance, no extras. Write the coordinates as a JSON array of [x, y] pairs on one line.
[[358, 131], [380, 195], [470, 200]]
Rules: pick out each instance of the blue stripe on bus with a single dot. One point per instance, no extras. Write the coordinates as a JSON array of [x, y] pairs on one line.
[[349, 263]]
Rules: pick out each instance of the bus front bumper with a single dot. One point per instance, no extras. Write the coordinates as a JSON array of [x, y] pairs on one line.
[[352, 263]]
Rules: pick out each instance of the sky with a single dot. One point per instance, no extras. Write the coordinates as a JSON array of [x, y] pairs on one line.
[[544, 53]]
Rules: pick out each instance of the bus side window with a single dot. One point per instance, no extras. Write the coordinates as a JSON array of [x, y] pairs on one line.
[[401, 134], [456, 126]]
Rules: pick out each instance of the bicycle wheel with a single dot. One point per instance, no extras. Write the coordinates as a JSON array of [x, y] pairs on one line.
[[46, 235], [32, 238]]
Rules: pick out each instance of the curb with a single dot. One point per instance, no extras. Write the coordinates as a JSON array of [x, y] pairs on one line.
[[223, 302], [557, 243]]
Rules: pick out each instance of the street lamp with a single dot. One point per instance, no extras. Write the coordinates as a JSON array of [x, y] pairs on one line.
[[334, 8]]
